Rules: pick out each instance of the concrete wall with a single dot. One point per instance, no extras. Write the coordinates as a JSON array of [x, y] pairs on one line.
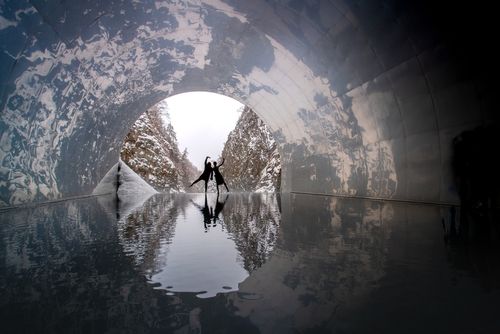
[[364, 97]]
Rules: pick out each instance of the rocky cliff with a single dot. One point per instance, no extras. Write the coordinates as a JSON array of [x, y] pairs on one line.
[[252, 158], [151, 150]]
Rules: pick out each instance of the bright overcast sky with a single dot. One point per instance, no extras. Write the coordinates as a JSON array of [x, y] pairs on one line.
[[202, 122]]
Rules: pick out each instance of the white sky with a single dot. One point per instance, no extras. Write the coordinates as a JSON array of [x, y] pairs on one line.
[[202, 122]]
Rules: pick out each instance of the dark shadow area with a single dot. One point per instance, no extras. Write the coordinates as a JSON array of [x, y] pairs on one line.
[[472, 243], [476, 173], [478, 182]]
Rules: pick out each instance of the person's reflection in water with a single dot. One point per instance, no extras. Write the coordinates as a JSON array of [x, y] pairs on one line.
[[219, 206], [206, 211]]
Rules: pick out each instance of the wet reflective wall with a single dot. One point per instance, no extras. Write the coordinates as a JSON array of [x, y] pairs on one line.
[[364, 97]]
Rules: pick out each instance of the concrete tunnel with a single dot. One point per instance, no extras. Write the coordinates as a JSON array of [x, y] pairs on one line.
[[364, 97]]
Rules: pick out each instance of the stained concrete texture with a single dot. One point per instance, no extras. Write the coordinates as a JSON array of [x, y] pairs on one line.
[[364, 97]]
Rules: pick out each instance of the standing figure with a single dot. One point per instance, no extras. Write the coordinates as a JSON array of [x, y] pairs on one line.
[[207, 174], [218, 176]]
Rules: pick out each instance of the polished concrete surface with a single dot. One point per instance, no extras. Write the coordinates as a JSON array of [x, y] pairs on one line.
[[248, 263], [364, 97]]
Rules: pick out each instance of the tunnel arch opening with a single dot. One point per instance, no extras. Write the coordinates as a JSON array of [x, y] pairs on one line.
[[168, 143], [364, 100]]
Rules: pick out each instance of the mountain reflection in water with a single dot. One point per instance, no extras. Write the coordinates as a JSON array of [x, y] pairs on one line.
[[189, 243], [243, 263]]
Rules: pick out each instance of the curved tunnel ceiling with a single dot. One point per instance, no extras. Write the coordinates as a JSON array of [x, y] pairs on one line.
[[364, 98]]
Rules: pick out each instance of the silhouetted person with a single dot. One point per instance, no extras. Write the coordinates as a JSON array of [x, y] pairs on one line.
[[207, 174], [219, 206], [218, 176], [206, 211]]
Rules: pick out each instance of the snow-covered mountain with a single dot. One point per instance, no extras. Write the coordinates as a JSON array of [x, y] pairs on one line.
[[252, 158], [151, 150]]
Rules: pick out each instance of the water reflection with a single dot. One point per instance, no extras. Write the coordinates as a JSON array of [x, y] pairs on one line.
[[187, 243], [219, 206], [208, 211], [201, 256], [472, 243], [320, 265]]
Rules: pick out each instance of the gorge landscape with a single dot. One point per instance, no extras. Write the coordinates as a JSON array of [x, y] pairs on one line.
[[252, 161]]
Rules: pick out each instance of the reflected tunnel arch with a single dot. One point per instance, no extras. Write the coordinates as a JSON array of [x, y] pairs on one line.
[[364, 98]]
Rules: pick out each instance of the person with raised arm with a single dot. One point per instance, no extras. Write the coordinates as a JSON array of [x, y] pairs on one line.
[[207, 174], [218, 176]]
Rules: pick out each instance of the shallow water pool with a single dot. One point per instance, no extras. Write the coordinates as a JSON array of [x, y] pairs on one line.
[[244, 263]]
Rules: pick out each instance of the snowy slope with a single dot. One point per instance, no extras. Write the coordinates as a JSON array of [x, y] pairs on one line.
[[151, 150], [252, 158]]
